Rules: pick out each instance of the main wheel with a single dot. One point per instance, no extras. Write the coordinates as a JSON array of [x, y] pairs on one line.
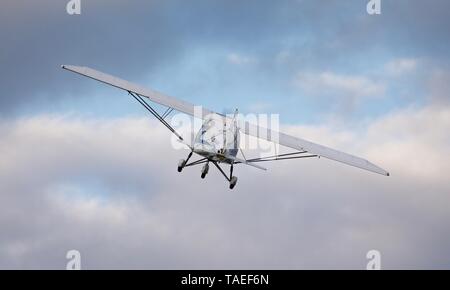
[[233, 182], [181, 165], [205, 170]]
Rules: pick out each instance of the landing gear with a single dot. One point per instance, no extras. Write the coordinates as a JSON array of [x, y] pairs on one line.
[[233, 182], [233, 179], [205, 170], [182, 162]]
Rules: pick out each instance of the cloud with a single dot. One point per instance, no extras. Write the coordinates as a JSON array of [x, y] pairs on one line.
[[238, 59], [352, 85], [37, 37], [109, 188], [399, 67], [347, 90], [439, 86]]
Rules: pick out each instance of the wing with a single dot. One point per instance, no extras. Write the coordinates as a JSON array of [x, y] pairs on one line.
[[154, 96], [313, 148], [247, 128]]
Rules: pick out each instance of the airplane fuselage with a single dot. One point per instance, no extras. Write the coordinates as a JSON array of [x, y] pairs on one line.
[[217, 144]]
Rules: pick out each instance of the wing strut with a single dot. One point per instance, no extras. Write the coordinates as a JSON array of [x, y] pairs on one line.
[[154, 113], [294, 155]]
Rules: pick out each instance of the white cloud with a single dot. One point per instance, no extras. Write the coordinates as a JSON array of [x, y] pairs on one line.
[[337, 85], [109, 188], [401, 66], [239, 59]]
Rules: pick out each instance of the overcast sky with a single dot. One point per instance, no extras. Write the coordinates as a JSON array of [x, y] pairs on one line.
[[84, 167]]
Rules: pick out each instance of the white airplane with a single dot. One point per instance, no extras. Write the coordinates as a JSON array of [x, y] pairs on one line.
[[206, 142]]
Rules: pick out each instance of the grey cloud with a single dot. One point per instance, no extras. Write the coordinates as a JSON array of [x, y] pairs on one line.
[[133, 39], [40, 36], [109, 188], [439, 86], [137, 39]]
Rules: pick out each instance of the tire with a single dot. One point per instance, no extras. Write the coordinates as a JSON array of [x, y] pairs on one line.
[[205, 170], [181, 165], [233, 182]]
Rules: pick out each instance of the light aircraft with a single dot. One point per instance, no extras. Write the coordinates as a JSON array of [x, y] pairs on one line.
[[206, 142]]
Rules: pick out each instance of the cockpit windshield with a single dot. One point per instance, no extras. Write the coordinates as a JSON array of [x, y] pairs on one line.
[[215, 136]]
